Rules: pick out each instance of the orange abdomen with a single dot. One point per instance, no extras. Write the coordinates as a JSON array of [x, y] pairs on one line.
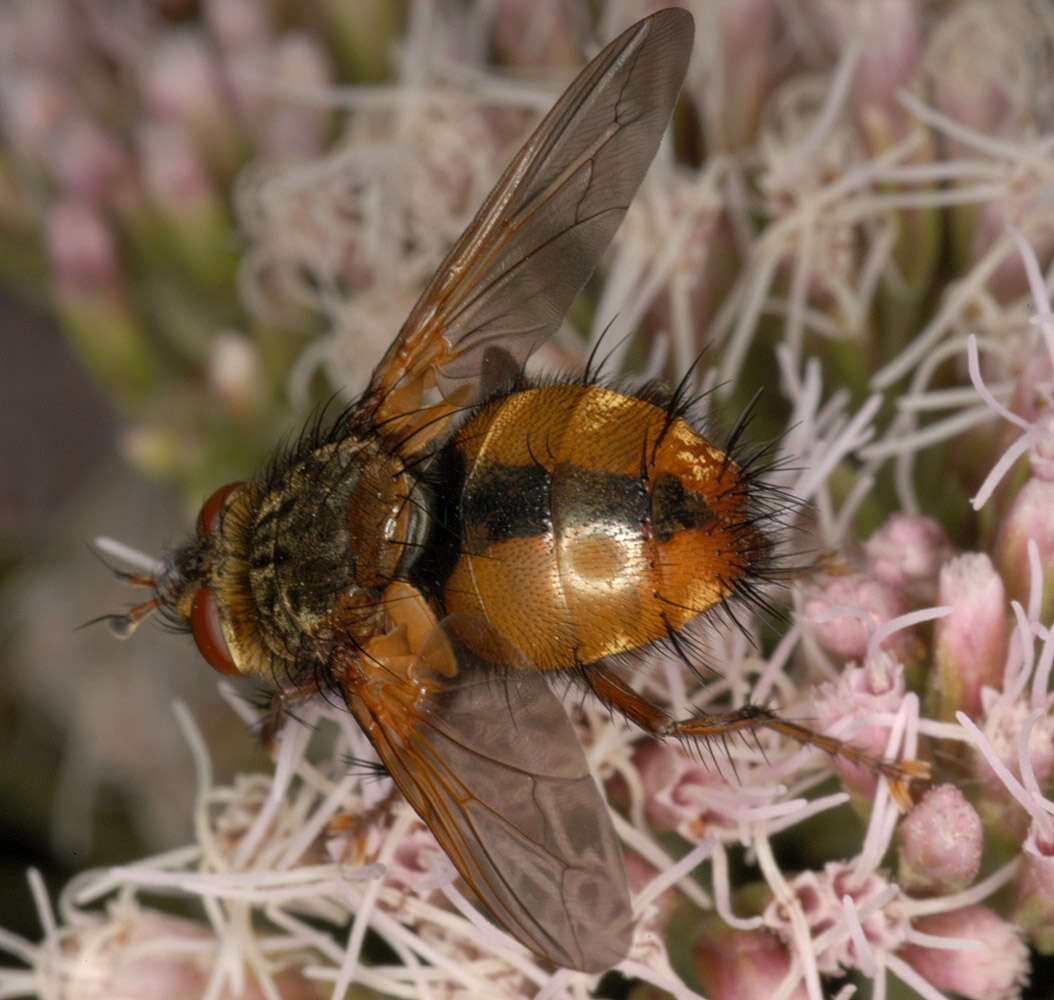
[[593, 523]]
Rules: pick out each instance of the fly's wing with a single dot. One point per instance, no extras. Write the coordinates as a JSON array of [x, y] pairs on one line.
[[491, 763], [513, 274]]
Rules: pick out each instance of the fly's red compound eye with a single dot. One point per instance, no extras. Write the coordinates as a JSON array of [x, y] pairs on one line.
[[211, 509], [207, 630]]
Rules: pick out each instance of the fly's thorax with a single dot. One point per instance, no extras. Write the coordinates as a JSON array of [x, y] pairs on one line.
[[299, 560], [327, 538]]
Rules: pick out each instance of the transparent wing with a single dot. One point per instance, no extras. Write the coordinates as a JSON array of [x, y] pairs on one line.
[[491, 763], [513, 274]]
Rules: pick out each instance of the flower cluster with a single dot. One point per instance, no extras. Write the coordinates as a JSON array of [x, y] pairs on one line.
[[855, 201]]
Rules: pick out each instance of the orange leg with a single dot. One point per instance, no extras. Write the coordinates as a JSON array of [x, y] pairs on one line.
[[614, 693], [355, 827]]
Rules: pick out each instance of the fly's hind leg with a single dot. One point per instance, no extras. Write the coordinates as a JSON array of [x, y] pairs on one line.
[[617, 695]]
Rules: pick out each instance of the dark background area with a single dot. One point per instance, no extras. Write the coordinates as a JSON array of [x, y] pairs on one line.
[[95, 770]]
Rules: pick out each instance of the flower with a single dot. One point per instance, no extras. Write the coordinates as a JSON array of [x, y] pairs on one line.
[[940, 843], [907, 552], [219, 243], [992, 964], [970, 642]]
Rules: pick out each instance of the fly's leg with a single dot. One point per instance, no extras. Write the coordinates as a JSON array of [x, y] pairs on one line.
[[279, 709], [617, 695], [355, 828]]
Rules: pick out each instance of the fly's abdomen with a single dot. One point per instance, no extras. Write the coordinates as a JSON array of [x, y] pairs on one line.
[[593, 523]]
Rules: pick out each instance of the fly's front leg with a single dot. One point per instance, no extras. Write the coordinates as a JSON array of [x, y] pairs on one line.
[[614, 693], [279, 709]]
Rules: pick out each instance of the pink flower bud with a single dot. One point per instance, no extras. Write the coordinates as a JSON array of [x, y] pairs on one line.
[[885, 34], [970, 643], [296, 128], [525, 33], [183, 86], [175, 174], [994, 969], [91, 163], [82, 249], [48, 37], [1033, 909], [1031, 516], [238, 24], [1002, 723], [871, 603], [977, 71], [97, 313], [32, 108], [246, 68], [194, 224], [907, 553], [984, 68], [940, 843], [889, 62], [748, 32], [891, 58], [1009, 280], [736, 965], [145, 960], [143, 953], [182, 82], [1033, 376]]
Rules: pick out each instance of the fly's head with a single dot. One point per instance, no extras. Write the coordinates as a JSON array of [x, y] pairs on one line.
[[204, 585]]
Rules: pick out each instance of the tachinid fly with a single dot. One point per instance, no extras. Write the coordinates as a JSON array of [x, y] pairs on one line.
[[460, 531]]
